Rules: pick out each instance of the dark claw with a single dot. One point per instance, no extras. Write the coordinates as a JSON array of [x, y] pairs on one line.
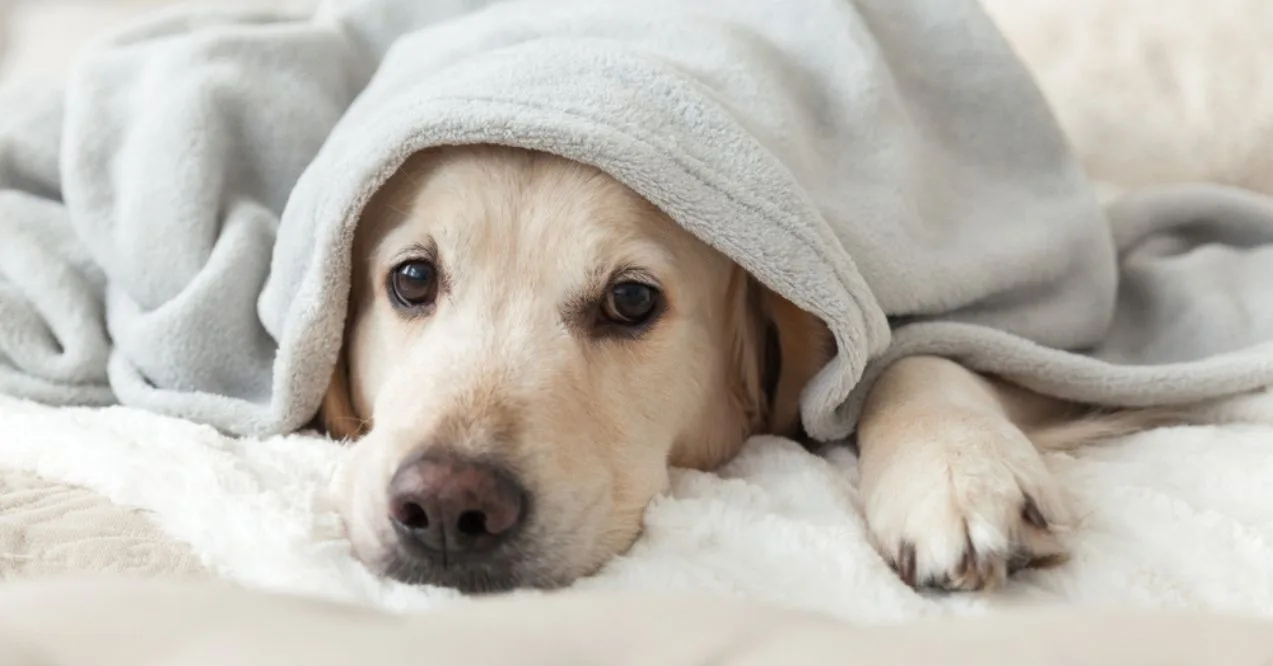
[[906, 563], [1030, 512], [969, 561], [936, 583], [1020, 559], [966, 565], [1048, 561]]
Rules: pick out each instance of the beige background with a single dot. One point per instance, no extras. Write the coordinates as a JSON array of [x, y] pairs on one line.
[[42, 36]]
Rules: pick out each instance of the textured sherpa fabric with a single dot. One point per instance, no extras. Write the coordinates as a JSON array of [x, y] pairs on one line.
[[177, 216]]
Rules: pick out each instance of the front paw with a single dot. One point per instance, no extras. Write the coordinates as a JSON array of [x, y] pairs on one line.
[[965, 509]]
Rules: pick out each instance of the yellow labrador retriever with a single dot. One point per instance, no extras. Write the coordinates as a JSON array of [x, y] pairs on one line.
[[531, 344]]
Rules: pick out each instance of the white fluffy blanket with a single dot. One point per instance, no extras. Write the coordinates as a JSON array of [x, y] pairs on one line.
[[1173, 518], [1177, 518]]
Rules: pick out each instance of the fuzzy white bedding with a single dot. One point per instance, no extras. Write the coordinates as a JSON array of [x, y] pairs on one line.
[[1149, 90], [1177, 518]]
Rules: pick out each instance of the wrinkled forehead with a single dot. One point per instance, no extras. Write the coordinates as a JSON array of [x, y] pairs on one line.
[[498, 211]]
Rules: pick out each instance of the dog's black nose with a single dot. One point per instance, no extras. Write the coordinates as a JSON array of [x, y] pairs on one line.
[[448, 508]]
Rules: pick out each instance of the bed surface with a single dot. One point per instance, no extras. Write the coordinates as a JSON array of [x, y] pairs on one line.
[[48, 528]]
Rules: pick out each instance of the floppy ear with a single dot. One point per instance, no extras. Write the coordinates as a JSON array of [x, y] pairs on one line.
[[337, 414], [771, 350], [798, 345], [747, 328], [775, 349], [721, 430]]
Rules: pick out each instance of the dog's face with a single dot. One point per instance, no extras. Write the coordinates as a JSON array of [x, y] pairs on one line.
[[530, 345]]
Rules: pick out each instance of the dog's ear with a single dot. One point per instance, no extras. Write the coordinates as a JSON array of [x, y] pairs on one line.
[[717, 434], [797, 346], [337, 415], [747, 327], [776, 349]]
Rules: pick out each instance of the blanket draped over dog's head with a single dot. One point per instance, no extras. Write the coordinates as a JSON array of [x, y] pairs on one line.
[[176, 218]]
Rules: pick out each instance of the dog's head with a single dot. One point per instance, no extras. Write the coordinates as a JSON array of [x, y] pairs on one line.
[[530, 346]]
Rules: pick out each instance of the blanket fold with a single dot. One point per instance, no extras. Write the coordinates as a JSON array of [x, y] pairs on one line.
[[184, 205]]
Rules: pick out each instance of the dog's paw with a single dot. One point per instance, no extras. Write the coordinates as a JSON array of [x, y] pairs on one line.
[[966, 507]]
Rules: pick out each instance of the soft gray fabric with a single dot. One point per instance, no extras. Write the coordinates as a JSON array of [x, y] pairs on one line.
[[878, 162]]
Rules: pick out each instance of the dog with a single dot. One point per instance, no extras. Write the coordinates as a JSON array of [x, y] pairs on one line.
[[530, 345]]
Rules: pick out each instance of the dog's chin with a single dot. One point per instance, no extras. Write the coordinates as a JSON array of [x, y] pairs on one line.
[[512, 570], [462, 576]]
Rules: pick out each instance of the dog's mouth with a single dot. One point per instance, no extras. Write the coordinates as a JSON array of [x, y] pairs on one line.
[[502, 571], [466, 577]]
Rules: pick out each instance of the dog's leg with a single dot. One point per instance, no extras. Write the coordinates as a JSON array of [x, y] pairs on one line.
[[956, 496]]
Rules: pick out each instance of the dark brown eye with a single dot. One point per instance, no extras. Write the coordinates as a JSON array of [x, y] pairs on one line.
[[414, 284], [630, 303]]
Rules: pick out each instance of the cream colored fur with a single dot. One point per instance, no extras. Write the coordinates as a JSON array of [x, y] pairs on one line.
[[506, 366]]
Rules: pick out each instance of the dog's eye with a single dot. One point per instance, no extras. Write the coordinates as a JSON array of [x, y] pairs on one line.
[[414, 283], [630, 303]]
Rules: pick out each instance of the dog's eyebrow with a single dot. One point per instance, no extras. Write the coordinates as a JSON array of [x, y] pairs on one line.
[[634, 274], [426, 250]]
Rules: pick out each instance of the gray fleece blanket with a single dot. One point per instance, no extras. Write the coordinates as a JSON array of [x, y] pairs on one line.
[[176, 217]]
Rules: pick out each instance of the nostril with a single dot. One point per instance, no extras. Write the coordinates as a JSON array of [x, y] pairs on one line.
[[472, 523], [412, 516]]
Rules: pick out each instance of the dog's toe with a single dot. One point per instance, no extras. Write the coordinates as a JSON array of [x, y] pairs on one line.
[[952, 518], [983, 560]]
